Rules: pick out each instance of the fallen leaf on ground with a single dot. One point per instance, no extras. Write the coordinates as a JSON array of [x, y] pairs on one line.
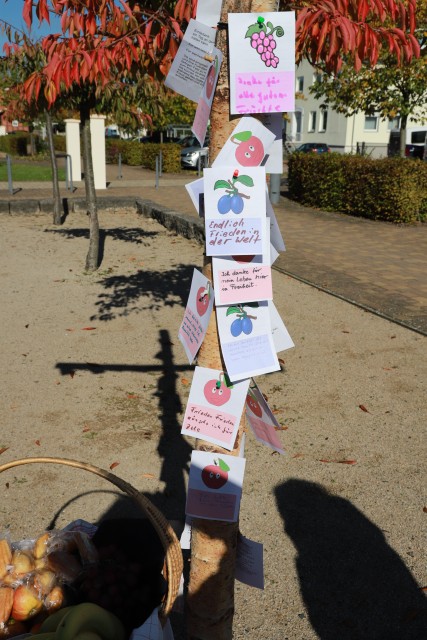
[[132, 396], [72, 373], [3, 449], [298, 455], [7, 485], [424, 508], [345, 331], [69, 329], [281, 427], [362, 406], [88, 328], [275, 411], [281, 361], [114, 465], [185, 381], [148, 475], [86, 429], [37, 442]]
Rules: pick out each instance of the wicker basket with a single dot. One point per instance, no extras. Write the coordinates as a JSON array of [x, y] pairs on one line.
[[173, 554]]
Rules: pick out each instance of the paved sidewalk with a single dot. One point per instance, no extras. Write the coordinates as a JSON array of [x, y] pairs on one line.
[[376, 265]]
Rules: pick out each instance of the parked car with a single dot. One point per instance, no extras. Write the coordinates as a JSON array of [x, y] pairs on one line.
[[313, 147], [192, 151]]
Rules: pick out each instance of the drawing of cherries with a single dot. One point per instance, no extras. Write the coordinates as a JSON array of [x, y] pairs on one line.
[[243, 322], [233, 198]]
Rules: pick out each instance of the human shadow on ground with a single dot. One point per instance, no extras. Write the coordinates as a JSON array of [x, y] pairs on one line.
[[354, 585], [145, 289]]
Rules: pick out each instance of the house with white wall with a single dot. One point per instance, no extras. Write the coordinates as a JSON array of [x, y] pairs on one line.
[[310, 123]]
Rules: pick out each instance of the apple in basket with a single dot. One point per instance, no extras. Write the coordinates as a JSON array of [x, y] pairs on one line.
[[26, 602]]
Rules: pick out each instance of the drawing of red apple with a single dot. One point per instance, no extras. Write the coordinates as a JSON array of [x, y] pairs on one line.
[[250, 151], [253, 405], [202, 300], [215, 475], [243, 259], [210, 80], [217, 392]]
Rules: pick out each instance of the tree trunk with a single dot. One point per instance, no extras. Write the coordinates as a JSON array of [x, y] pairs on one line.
[[92, 258], [403, 123], [57, 216], [210, 597]]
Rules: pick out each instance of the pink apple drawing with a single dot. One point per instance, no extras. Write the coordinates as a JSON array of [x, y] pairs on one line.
[[250, 151], [216, 392], [202, 300]]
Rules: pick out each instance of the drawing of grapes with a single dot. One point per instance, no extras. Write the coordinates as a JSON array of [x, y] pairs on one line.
[[233, 198], [263, 40], [243, 321]]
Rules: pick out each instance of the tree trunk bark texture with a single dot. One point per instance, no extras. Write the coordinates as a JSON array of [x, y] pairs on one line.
[[92, 258], [210, 596], [57, 216]]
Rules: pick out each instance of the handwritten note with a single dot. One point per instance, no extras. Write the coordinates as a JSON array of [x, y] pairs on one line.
[[214, 407], [196, 316], [215, 486], [204, 105], [250, 562], [262, 62], [242, 279]]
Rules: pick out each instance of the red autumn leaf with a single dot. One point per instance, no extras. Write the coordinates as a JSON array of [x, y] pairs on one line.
[[114, 465], [132, 396], [88, 328], [362, 406], [37, 442], [3, 449]]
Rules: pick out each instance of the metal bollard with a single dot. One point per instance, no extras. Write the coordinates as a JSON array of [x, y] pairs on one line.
[[157, 172], [274, 188], [9, 174], [160, 164], [69, 173], [120, 176]]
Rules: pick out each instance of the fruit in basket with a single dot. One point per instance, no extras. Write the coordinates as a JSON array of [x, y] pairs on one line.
[[6, 603], [52, 622], [87, 618], [40, 545], [55, 598], [12, 629], [22, 563], [5, 556], [44, 580], [27, 602]]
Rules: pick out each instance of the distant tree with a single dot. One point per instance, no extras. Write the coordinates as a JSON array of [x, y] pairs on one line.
[[387, 89]]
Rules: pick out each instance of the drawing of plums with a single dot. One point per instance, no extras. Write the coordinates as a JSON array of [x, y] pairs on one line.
[[217, 392], [243, 321], [215, 475], [233, 198], [250, 151]]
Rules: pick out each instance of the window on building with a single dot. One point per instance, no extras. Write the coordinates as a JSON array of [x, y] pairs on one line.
[[298, 125], [393, 123], [371, 123], [300, 84], [312, 121], [323, 120], [317, 77]]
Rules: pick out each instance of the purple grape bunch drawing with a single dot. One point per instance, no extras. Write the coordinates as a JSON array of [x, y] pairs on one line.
[[263, 40], [243, 322]]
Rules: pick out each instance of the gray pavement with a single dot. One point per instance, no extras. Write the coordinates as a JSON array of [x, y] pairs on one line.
[[376, 265]]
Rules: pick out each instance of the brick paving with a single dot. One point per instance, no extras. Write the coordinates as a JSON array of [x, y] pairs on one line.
[[376, 265]]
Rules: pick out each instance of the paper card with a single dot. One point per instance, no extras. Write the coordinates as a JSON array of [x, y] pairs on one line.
[[246, 341], [248, 145], [262, 62], [281, 338], [261, 419], [276, 237], [249, 562], [235, 210], [196, 316], [209, 12], [274, 123], [273, 255], [215, 486], [214, 408], [185, 539], [189, 69], [242, 279], [196, 191], [152, 629], [203, 111]]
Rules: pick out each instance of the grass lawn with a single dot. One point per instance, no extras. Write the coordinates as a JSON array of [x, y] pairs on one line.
[[29, 173]]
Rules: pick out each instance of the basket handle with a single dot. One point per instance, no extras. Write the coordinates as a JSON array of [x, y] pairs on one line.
[[174, 561]]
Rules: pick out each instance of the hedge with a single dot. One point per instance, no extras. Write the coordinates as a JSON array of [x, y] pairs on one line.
[[144, 154], [389, 189]]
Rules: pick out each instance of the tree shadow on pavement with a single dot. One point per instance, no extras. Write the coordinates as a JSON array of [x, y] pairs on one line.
[[125, 293], [354, 585]]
